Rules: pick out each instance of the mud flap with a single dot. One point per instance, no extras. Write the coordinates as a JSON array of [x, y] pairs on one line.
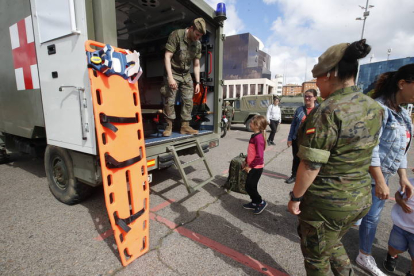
[[120, 137]]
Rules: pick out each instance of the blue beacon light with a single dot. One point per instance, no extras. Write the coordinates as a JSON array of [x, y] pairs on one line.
[[221, 11]]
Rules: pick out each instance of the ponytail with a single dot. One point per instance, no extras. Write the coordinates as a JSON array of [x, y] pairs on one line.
[[264, 137], [387, 85]]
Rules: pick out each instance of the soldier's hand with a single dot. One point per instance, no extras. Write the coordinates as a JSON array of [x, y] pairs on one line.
[[382, 191], [172, 84], [197, 89], [293, 207], [289, 144]]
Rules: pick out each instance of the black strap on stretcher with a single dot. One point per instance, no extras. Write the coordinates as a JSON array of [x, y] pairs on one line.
[[112, 163], [123, 223], [107, 121]]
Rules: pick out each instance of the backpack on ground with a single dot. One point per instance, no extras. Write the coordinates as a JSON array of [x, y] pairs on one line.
[[236, 180]]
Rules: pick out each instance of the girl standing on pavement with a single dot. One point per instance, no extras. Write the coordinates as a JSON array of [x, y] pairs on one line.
[[389, 157], [255, 163], [274, 117], [298, 118]]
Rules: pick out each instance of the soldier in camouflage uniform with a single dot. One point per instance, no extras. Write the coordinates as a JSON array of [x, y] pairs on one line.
[[229, 112], [333, 185], [183, 46]]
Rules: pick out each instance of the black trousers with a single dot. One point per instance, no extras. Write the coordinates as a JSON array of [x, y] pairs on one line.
[[273, 127], [251, 185], [296, 160]]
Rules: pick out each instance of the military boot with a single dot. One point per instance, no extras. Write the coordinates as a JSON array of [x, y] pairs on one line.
[[186, 129], [168, 129]]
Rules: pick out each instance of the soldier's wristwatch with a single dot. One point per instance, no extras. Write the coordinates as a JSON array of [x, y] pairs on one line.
[[293, 198]]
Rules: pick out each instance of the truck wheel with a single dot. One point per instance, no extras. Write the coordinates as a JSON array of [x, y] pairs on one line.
[[248, 124], [62, 182]]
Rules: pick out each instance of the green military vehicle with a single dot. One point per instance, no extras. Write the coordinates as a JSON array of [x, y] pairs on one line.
[[248, 106], [288, 106], [46, 99]]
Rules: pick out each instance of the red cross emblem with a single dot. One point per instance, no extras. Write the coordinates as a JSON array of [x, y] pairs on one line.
[[24, 54]]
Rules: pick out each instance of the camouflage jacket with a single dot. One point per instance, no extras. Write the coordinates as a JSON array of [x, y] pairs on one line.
[[184, 51], [340, 134]]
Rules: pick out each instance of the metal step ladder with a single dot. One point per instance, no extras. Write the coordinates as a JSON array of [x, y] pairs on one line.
[[181, 166]]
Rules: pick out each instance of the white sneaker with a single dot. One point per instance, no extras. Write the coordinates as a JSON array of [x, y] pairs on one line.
[[367, 263]]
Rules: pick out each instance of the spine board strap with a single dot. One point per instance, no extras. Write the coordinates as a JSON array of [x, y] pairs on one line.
[[112, 163], [107, 121], [123, 223]]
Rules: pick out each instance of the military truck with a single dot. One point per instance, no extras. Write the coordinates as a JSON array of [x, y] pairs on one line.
[[248, 106], [45, 94], [288, 106]]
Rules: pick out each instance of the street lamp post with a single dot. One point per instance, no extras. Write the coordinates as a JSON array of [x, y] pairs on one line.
[[366, 14]]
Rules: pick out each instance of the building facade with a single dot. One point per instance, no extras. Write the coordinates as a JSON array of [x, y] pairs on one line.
[[291, 89], [278, 80], [368, 73], [243, 59], [309, 85], [244, 87]]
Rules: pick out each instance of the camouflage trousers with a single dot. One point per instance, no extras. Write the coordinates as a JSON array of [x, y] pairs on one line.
[[185, 86], [321, 232]]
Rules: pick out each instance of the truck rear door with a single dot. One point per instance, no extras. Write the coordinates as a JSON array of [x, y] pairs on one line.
[[60, 29]]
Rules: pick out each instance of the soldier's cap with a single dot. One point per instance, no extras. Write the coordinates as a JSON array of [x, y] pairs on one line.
[[200, 25], [328, 60]]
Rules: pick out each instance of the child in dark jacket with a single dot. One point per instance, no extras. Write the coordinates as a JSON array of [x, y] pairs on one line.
[[255, 163]]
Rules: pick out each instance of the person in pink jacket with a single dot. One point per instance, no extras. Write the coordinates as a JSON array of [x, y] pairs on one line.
[[255, 162]]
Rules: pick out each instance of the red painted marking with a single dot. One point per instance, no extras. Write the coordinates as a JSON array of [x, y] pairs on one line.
[[283, 140], [233, 254], [104, 235], [162, 205], [276, 175], [222, 249], [391, 198], [225, 171], [25, 55]]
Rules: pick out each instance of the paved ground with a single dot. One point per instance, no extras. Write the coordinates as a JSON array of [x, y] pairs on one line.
[[205, 233]]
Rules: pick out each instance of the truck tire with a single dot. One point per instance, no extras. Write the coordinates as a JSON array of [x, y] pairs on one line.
[[248, 124], [62, 182]]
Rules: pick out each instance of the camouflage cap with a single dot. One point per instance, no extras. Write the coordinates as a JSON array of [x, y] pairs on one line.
[[200, 25], [328, 60]]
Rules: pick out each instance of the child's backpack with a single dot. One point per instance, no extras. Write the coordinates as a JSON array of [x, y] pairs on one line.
[[237, 176]]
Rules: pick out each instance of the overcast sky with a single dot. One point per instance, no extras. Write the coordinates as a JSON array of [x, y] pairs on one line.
[[296, 32]]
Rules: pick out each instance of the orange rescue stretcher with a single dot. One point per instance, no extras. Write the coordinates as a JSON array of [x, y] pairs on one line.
[[120, 136]]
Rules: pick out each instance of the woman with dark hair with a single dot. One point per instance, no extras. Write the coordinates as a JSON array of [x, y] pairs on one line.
[[332, 188], [389, 157], [298, 118]]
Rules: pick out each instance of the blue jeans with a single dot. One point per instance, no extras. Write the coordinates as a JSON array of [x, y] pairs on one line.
[[369, 223], [402, 240]]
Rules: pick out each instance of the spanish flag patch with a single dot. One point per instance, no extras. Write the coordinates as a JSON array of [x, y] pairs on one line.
[[310, 131]]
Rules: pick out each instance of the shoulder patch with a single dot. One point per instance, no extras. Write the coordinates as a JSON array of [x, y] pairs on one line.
[[310, 131]]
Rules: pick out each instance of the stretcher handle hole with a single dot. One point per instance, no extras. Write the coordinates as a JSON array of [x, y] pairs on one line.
[[95, 74], [144, 243], [144, 185], [98, 96], [111, 198], [139, 134], [121, 237], [135, 98], [137, 117], [127, 256], [104, 138], [142, 170], [109, 180], [144, 225]]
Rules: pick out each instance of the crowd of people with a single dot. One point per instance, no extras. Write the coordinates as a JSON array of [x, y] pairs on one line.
[[344, 152]]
